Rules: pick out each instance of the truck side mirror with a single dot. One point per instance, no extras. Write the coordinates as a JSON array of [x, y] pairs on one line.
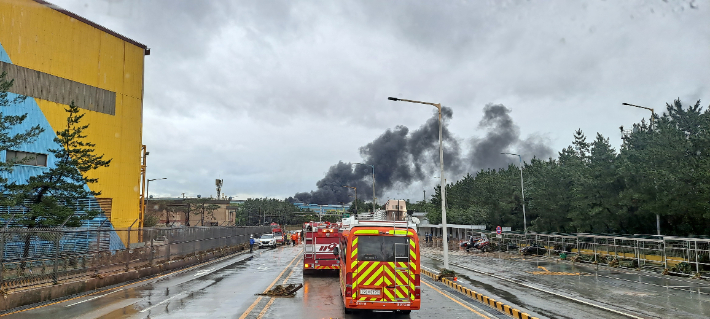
[[336, 252]]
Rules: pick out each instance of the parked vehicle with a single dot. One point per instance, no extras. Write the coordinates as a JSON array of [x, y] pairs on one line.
[[267, 240], [482, 244]]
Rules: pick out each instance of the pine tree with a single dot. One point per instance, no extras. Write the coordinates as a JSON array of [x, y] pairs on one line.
[[54, 196], [8, 140]]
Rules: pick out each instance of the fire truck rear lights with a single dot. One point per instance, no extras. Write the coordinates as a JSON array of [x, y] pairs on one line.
[[307, 265]]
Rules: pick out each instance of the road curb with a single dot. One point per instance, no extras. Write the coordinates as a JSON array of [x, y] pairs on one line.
[[501, 307]]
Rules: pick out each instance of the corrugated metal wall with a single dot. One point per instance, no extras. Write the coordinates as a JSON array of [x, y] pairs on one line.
[[40, 38]]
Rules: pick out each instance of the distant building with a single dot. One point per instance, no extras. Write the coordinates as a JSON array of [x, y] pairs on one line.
[[173, 211], [395, 209]]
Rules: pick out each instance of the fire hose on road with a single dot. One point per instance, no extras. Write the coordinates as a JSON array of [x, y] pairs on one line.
[[282, 290]]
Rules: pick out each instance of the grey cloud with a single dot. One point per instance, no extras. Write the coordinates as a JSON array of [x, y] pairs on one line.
[[253, 66]]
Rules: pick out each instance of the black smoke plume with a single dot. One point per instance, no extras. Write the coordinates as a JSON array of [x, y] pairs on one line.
[[402, 157], [502, 136]]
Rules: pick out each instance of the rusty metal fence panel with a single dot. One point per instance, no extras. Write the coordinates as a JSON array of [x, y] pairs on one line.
[[51, 255], [672, 255]]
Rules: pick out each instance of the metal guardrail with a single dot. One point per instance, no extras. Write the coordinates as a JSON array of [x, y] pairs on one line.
[[50, 255], [678, 255], [671, 254]]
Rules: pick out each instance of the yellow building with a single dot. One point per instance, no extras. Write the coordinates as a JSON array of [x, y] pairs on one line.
[[56, 57]]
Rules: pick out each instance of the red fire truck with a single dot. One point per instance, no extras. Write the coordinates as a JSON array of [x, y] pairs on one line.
[[379, 265], [278, 233], [319, 239]]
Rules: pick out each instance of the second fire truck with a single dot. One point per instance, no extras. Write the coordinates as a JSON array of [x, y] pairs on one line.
[[320, 239]]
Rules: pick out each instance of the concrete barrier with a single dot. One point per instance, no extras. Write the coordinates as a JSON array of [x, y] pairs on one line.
[[62, 290]]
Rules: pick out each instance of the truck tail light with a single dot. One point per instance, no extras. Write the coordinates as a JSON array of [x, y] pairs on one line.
[[417, 289], [348, 284]]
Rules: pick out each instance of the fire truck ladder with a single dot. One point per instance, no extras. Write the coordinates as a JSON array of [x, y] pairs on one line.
[[399, 231], [310, 246]]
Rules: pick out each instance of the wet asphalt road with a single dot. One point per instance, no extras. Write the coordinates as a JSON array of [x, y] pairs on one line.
[[636, 293], [227, 288]]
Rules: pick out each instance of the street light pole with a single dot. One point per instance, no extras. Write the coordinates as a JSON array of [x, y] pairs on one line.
[[441, 174], [522, 191], [643, 107], [147, 188], [658, 217], [374, 203]]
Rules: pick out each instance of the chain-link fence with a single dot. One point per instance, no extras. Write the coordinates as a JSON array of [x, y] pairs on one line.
[[50, 255]]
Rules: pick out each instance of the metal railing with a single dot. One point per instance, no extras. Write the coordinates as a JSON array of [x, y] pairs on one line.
[[677, 255], [669, 254], [51, 255]]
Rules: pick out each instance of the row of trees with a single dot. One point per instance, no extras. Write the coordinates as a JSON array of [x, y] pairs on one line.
[[257, 211], [662, 168], [54, 196]]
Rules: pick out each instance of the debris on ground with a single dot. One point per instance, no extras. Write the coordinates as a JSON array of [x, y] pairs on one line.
[[446, 273], [282, 290], [614, 263]]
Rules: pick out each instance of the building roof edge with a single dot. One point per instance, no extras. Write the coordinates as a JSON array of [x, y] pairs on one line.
[[94, 24]]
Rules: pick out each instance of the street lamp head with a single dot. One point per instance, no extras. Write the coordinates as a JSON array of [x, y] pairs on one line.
[[393, 98]]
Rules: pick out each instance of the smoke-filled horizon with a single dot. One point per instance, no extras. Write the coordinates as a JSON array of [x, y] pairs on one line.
[[401, 157]]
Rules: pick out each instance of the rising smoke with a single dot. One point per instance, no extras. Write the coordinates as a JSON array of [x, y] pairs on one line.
[[401, 158]]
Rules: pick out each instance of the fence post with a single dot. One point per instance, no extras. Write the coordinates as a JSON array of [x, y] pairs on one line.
[[2, 251], [697, 256], [665, 259], [55, 267], [128, 245], [167, 245], [151, 247], [97, 253]]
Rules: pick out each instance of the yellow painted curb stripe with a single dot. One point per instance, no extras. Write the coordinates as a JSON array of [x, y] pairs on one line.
[[484, 299]]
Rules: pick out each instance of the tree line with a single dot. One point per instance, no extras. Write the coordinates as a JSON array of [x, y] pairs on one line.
[[661, 169]]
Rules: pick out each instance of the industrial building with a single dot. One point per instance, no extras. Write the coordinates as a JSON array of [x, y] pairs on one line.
[[56, 57]]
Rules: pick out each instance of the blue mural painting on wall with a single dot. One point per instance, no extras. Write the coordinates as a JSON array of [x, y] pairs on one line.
[[44, 142]]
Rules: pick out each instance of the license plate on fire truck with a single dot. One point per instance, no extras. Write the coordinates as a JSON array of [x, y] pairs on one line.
[[369, 291]]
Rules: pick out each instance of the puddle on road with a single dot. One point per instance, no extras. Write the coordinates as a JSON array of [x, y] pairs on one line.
[[511, 298]]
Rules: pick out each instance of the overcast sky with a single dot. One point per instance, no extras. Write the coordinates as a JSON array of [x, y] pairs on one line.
[[268, 95]]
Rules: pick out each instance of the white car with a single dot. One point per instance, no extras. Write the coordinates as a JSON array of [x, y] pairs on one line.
[[267, 240]]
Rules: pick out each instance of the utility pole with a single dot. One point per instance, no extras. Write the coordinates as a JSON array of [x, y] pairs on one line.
[[143, 188]]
